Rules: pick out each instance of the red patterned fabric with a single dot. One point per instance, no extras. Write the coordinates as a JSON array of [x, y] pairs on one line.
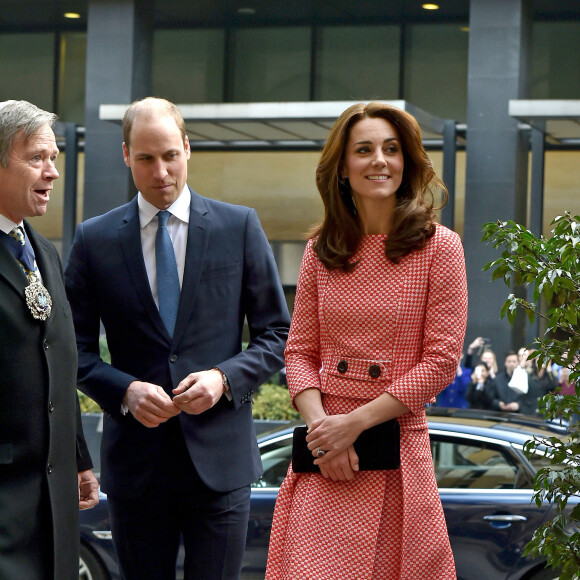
[[410, 320]]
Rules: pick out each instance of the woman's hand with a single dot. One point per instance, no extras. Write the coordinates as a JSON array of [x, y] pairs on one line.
[[341, 467], [331, 433], [334, 435]]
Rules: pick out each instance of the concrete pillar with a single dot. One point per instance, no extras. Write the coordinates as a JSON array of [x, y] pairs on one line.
[[119, 42], [496, 155]]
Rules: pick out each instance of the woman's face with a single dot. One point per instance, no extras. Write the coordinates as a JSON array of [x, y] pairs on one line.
[[373, 161], [481, 373], [488, 358]]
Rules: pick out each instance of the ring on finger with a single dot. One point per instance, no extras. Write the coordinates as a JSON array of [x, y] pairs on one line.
[[320, 452]]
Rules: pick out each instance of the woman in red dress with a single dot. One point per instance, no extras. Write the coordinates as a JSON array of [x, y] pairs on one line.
[[381, 285]]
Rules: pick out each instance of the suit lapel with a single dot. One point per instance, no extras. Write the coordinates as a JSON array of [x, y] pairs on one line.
[[196, 251], [130, 238]]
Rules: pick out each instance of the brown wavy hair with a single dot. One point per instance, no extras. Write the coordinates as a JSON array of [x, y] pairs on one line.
[[341, 231]]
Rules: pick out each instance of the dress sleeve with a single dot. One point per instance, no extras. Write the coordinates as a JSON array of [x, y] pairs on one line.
[[444, 331], [302, 353]]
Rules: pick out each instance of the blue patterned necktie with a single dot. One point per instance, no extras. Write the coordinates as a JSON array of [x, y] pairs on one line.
[[21, 248], [168, 289]]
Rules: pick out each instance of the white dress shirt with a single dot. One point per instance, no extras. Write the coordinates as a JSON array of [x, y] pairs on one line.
[[177, 226]]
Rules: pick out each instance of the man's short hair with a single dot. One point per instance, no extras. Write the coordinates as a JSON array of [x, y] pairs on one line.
[[511, 353], [151, 107], [20, 117]]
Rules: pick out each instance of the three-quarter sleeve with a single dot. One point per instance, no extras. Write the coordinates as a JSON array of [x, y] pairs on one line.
[[303, 357], [444, 327]]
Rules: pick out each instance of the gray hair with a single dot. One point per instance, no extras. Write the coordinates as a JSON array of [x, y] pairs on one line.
[[20, 117]]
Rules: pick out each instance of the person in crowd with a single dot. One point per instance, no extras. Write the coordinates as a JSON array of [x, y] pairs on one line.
[[377, 333], [488, 358], [454, 394], [514, 389], [480, 351], [566, 386], [478, 390], [547, 381], [172, 275], [45, 466]]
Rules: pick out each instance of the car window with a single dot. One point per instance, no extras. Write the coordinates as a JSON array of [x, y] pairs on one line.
[[459, 463], [276, 457], [472, 464]]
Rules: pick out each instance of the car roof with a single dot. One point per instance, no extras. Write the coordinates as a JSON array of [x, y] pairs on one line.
[[511, 427]]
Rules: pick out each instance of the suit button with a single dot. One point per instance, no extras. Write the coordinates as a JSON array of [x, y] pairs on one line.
[[173, 358], [375, 371], [342, 366], [45, 344], [49, 468], [50, 406]]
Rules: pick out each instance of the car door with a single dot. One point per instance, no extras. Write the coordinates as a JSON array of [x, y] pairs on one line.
[[276, 456], [485, 486]]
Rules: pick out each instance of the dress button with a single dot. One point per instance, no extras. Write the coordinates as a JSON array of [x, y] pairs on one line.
[[375, 371], [49, 468], [50, 406], [342, 366], [173, 358]]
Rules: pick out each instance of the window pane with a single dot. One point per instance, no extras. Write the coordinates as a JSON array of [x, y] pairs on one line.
[[72, 75], [27, 68], [276, 457], [271, 64], [435, 69], [188, 65], [473, 465], [358, 63], [555, 60]]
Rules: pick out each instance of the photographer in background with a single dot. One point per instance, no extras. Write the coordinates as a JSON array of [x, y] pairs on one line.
[[480, 351], [479, 390]]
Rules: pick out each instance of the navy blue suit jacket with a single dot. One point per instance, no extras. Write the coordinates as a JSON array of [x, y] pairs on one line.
[[230, 274]]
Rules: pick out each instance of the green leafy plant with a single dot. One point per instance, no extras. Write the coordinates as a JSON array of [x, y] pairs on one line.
[[273, 402], [551, 265], [87, 404]]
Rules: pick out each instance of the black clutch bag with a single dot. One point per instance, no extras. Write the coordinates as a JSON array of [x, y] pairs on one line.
[[377, 448]]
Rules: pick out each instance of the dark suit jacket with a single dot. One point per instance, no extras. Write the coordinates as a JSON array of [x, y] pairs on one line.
[[502, 392], [230, 274], [41, 443]]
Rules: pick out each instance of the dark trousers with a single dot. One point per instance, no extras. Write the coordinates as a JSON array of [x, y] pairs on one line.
[[147, 529]]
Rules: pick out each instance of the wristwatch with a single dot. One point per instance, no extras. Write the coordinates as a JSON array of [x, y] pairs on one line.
[[225, 382]]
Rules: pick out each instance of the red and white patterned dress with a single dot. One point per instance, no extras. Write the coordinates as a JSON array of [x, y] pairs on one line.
[[408, 318]]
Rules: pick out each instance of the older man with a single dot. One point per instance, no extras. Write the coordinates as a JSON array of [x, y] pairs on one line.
[[45, 474]]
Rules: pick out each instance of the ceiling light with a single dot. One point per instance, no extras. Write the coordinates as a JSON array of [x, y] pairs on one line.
[[248, 11], [430, 6], [72, 15]]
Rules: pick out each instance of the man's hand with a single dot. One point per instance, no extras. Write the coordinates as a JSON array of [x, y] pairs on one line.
[[514, 407], [198, 392], [149, 404], [88, 490]]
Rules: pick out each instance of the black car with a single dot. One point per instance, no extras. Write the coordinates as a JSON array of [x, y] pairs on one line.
[[485, 484]]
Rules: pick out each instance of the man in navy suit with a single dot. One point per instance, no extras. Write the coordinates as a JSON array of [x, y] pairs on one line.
[[179, 447]]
